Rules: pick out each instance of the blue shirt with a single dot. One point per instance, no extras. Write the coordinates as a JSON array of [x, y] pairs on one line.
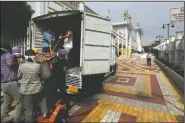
[[48, 36], [7, 73]]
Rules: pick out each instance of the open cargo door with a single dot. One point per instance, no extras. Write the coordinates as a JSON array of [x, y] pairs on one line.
[[38, 31], [97, 42], [73, 75]]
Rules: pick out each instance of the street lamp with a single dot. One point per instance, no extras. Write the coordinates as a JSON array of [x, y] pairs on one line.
[[160, 37], [168, 26]]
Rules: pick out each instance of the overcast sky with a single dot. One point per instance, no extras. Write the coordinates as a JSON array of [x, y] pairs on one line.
[[150, 15]]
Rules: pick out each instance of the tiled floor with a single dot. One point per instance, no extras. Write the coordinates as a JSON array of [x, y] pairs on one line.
[[137, 93]]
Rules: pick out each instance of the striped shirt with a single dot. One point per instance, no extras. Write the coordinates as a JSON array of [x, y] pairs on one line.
[[30, 82]]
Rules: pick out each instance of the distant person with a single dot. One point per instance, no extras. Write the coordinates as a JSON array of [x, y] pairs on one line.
[[9, 84], [49, 38], [149, 57]]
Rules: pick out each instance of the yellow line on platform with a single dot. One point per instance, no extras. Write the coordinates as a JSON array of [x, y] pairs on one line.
[[117, 89], [177, 94], [126, 74], [137, 72], [143, 115], [147, 86]]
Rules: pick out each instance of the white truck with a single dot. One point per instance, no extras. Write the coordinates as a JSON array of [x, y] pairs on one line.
[[94, 51]]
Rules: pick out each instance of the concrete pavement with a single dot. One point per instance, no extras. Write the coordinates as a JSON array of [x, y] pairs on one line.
[[137, 93]]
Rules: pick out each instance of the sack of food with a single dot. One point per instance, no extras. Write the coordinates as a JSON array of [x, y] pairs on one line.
[[41, 57]]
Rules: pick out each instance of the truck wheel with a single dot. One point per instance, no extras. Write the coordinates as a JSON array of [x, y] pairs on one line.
[[98, 79], [93, 84], [114, 68]]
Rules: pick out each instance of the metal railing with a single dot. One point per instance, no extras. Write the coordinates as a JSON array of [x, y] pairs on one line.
[[177, 79], [21, 42]]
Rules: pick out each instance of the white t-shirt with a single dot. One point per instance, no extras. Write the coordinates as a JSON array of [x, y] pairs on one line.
[[68, 42], [149, 56]]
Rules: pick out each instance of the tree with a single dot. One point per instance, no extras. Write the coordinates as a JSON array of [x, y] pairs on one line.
[[146, 48]]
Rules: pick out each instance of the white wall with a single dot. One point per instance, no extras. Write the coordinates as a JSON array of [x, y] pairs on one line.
[[42, 8], [138, 40]]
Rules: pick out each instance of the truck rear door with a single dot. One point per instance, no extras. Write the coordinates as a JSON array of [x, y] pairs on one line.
[[96, 46], [37, 29]]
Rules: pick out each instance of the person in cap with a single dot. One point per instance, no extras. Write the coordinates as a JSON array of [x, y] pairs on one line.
[[57, 86], [16, 50], [35, 50], [17, 54], [9, 84], [68, 41], [31, 87]]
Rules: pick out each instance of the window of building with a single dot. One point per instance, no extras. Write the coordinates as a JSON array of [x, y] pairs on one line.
[[66, 8]]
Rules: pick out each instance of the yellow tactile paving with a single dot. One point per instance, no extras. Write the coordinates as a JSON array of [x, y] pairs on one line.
[[145, 92], [142, 115], [148, 69], [137, 72], [127, 74], [147, 86], [117, 89], [178, 96], [130, 67]]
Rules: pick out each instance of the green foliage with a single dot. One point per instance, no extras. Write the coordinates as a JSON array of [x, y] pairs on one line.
[[146, 48]]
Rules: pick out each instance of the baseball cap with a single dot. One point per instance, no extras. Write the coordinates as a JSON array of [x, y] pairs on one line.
[[35, 50], [16, 49], [61, 52]]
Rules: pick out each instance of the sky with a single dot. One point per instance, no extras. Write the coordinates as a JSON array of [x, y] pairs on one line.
[[150, 15]]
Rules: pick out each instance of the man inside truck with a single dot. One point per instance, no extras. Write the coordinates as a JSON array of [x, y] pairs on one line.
[[68, 41], [49, 38]]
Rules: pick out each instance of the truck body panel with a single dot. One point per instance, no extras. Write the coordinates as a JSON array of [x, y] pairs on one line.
[[95, 44]]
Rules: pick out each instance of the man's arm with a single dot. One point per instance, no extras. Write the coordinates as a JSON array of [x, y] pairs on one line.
[[67, 35], [10, 60]]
